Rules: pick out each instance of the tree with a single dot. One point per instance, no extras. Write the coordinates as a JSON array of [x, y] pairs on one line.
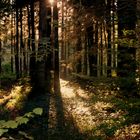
[[31, 38], [43, 66], [127, 53], [17, 43], [21, 39], [56, 50], [0, 57]]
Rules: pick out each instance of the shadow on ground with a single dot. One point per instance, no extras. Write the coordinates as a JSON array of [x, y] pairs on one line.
[[56, 123]]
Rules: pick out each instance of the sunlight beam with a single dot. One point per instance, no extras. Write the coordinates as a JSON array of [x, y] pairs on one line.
[[51, 2]]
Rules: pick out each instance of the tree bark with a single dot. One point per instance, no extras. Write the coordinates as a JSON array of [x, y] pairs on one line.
[[127, 54], [43, 64], [21, 42], [31, 28], [0, 57], [17, 45], [108, 18], [56, 52], [92, 49]]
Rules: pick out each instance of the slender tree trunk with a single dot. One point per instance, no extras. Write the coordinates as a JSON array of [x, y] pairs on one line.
[[29, 25], [17, 46], [32, 56], [0, 60], [108, 18], [56, 47], [105, 47], [24, 44], [101, 50], [29, 37], [84, 44], [95, 52], [62, 33], [0, 57], [113, 39], [78, 44], [21, 42], [92, 53], [12, 42]]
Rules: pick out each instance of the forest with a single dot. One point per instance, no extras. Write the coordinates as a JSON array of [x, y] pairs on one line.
[[69, 69]]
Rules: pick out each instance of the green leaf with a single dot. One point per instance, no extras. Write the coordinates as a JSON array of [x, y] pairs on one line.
[[2, 131], [29, 115], [2, 122], [10, 124], [38, 111], [21, 120]]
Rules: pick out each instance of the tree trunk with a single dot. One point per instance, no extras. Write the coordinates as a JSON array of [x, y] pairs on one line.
[[84, 55], [43, 64], [0, 57], [108, 18], [62, 33], [78, 46], [29, 38], [12, 42], [56, 52], [92, 49], [17, 46], [127, 54], [21, 42], [32, 38], [49, 52]]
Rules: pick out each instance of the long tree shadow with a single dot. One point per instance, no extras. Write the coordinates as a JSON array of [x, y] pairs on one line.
[[66, 128], [56, 123]]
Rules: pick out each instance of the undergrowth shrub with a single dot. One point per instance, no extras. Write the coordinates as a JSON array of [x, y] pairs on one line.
[[6, 77], [6, 126], [127, 86]]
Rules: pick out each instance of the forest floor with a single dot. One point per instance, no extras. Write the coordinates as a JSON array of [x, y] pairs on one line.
[[84, 110]]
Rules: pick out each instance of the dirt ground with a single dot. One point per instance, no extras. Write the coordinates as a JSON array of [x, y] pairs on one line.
[[80, 112]]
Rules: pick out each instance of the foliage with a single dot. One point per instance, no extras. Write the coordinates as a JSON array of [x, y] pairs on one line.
[[5, 126], [128, 64], [4, 8], [103, 115], [6, 72], [4, 113], [127, 86], [6, 77]]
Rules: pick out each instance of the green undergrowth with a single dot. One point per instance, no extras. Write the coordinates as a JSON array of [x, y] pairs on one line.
[[120, 114], [7, 77], [124, 113], [115, 116], [7, 127]]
